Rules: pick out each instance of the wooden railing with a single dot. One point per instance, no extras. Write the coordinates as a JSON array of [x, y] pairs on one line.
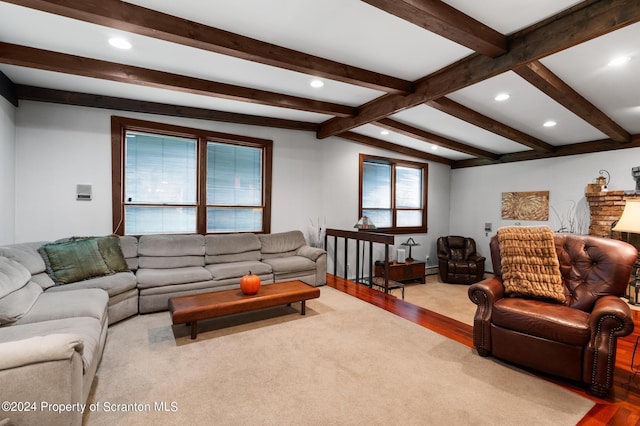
[[358, 236]]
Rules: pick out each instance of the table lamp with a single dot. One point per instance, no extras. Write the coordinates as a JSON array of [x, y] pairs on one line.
[[410, 243], [364, 223], [630, 223]]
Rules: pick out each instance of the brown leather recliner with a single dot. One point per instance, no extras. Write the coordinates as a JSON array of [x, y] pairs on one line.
[[576, 340], [458, 261]]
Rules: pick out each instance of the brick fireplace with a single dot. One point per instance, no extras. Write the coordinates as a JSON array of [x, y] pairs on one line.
[[606, 208]]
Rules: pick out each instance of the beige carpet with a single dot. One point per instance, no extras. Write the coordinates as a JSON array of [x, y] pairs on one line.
[[345, 363], [450, 300]]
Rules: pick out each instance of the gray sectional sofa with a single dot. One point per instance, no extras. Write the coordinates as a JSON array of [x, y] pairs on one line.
[[53, 327]]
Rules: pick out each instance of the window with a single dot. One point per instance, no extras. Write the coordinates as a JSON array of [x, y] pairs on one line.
[[393, 194], [169, 179]]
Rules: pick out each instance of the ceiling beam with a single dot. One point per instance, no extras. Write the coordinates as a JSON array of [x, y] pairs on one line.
[[377, 143], [591, 21], [31, 93], [425, 136], [139, 20], [547, 82], [69, 64], [8, 89], [457, 110], [448, 22], [561, 151]]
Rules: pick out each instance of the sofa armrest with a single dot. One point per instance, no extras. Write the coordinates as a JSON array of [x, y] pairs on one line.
[[484, 294], [311, 253], [37, 349]]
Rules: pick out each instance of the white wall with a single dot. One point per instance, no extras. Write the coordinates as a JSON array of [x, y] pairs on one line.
[[476, 191], [60, 146], [340, 199], [7, 171]]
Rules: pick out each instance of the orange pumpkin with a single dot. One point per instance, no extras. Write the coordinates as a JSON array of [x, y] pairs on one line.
[[250, 284]]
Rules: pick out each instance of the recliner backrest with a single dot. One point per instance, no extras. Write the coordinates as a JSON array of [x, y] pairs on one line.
[[591, 267]]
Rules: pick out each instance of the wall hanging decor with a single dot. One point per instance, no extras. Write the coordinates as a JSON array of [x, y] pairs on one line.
[[532, 205]]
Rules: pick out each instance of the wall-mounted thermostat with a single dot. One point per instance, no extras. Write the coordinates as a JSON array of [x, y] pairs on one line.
[[83, 192]]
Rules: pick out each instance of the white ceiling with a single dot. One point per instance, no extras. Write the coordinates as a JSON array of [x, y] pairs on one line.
[[354, 33]]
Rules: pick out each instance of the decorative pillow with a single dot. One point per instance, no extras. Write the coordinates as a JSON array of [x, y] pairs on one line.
[[74, 260], [111, 252], [530, 266]]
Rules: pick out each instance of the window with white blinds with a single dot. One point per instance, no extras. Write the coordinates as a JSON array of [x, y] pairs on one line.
[[169, 179], [393, 194]]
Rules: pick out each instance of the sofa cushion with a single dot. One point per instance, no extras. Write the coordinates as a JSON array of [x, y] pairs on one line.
[[232, 248], [281, 244], [169, 262], [283, 265], [171, 245], [13, 276], [17, 303], [115, 284], [68, 304], [160, 277], [222, 271], [27, 255], [86, 328], [74, 260]]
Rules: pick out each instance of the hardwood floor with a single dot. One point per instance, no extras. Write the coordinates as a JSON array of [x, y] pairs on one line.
[[622, 407]]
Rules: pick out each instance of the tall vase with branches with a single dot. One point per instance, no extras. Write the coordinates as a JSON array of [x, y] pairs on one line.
[[316, 233]]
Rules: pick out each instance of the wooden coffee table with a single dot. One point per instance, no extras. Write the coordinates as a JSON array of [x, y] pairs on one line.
[[190, 309]]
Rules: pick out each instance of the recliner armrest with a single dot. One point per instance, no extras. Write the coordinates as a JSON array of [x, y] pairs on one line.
[[611, 315], [484, 294]]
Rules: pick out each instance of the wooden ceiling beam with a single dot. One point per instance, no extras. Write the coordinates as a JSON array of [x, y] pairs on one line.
[[31, 93], [69, 64], [377, 143], [8, 89], [457, 110], [546, 81], [432, 138], [139, 20], [583, 24], [448, 22], [561, 151]]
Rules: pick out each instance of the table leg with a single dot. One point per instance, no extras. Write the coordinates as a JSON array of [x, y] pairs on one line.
[[194, 329], [303, 310]]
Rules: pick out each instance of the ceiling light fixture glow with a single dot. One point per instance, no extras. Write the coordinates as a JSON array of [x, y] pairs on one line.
[[502, 97], [549, 123], [316, 83], [384, 132], [120, 43], [434, 147], [618, 61]]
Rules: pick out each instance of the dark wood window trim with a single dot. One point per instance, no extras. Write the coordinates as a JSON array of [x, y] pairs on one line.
[[393, 163], [119, 127]]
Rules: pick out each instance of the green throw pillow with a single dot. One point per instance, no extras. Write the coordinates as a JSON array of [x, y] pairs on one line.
[[112, 253], [74, 260]]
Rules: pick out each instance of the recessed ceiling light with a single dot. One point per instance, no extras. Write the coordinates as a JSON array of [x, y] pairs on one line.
[[549, 123], [502, 97], [384, 132], [434, 147], [618, 61], [316, 83], [120, 43]]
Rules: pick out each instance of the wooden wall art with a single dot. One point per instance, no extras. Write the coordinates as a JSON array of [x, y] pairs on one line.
[[533, 205]]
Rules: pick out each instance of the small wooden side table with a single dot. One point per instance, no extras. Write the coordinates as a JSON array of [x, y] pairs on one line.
[[403, 272]]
